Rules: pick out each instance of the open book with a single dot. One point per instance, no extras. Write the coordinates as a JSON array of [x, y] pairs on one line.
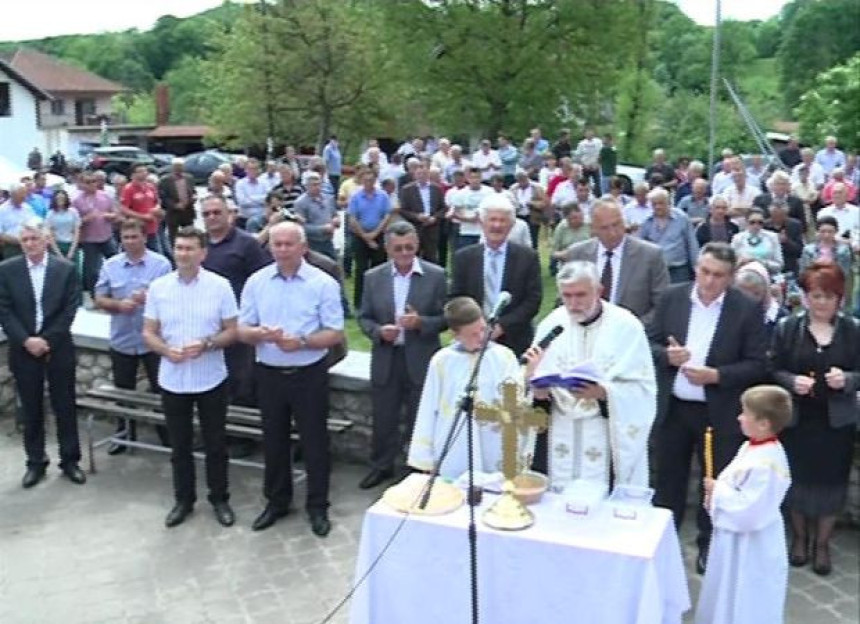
[[577, 377]]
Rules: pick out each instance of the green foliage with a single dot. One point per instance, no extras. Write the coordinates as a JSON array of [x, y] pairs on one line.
[[137, 109], [832, 106], [482, 67], [187, 83], [819, 36], [314, 65]]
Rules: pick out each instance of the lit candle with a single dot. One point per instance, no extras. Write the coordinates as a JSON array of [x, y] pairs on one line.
[[709, 453]]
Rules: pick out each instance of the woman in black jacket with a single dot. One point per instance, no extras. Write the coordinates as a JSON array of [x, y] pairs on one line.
[[816, 356]]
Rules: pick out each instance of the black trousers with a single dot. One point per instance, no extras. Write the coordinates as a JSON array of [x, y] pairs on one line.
[[300, 394], [365, 258], [240, 374], [124, 368], [212, 413], [30, 375], [93, 255], [389, 401], [680, 436]]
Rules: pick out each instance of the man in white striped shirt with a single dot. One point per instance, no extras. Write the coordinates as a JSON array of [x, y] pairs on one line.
[[190, 316]]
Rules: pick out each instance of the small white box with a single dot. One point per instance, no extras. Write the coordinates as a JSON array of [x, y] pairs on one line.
[[582, 497]]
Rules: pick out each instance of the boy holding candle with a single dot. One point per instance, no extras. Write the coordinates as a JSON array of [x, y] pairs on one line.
[[747, 569]]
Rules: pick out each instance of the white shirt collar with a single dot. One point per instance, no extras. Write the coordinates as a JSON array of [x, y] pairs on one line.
[[43, 264], [416, 268], [714, 305], [616, 253]]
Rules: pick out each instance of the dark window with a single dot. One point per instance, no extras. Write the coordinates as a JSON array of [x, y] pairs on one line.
[[5, 100], [58, 107]]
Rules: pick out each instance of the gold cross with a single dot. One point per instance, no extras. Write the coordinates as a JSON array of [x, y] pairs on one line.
[[513, 416]]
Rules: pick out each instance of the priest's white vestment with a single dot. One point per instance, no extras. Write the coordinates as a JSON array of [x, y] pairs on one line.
[[582, 441], [747, 572], [446, 379]]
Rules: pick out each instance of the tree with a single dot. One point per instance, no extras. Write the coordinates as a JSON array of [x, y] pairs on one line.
[[511, 64], [305, 68], [832, 106], [819, 36]]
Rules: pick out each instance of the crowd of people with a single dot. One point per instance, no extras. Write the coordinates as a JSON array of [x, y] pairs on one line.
[[685, 294]]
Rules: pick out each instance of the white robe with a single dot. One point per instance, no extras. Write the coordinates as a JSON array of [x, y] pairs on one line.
[[581, 441], [447, 375], [747, 572]]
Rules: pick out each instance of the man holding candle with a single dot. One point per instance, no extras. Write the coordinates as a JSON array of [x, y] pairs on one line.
[[709, 346]]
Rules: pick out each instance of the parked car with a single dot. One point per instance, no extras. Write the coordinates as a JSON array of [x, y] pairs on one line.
[[631, 174], [120, 159], [201, 165], [162, 159]]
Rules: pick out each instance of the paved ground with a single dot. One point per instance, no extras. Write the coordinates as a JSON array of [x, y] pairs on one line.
[[100, 553]]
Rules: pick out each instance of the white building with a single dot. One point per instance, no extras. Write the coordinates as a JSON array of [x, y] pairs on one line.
[[19, 116], [77, 103]]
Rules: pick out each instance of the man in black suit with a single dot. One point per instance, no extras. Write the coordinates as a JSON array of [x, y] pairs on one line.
[[709, 346], [39, 297], [790, 233], [422, 204], [401, 312], [483, 270], [177, 197]]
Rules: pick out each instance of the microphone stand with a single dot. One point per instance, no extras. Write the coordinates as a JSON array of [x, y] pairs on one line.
[[465, 410]]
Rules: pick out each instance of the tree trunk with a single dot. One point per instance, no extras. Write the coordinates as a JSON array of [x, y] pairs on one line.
[[631, 130]]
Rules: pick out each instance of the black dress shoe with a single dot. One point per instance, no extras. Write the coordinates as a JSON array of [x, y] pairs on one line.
[[270, 516], [32, 477], [375, 477], [701, 561], [178, 515], [821, 563], [75, 475], [224, 513], [116, 449], [320, 524]]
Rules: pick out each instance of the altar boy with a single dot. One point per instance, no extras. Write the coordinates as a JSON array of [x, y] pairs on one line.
[[447, 375], [747, 568]]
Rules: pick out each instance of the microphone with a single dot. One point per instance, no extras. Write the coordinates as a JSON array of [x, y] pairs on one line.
[[554, 333], [502, 303]]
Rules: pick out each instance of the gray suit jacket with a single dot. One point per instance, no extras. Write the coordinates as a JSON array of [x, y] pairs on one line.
[[427, 295], [643, 273]]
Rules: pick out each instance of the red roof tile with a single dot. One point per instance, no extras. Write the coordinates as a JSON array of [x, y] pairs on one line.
[[55, 76]]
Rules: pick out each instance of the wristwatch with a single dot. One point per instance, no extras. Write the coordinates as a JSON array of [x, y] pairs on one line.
[[208, 343], [303, 341]]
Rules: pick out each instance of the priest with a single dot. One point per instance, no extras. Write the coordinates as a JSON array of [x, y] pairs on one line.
[[598, 428]]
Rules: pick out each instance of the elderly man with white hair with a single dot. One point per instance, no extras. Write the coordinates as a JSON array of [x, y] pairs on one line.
[[817, 175], [779, 192], [829, 157], [846, 215], [838, 177], [13, 213], [485, 270], [600, 427], [39, 297], [671, 230]]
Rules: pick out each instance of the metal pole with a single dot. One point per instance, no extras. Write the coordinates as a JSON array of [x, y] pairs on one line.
[[267, 78], [715, 71]]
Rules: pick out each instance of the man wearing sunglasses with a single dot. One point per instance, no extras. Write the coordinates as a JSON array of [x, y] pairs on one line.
[[401, 313]]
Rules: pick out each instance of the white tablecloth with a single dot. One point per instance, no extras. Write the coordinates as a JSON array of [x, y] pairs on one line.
[[596, 569]]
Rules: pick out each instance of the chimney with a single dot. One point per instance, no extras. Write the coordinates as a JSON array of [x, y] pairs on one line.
[[162, 104]]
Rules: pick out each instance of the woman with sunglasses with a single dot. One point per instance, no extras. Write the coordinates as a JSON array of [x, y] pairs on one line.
[[756, 243]]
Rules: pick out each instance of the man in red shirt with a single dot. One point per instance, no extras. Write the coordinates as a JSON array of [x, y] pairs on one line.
[[140, 201]]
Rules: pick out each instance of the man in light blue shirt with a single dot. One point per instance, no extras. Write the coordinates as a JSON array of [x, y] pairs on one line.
[[292, 312], [369, 211], [829, 157], [121, 292], [251, 194], [14, 212], [333, 161], [670, 229], [510, 156]]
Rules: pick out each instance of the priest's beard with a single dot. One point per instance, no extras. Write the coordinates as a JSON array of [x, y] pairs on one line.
[[588, 315]]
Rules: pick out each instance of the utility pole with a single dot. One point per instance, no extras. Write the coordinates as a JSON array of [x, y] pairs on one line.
[[267, 80], [715, 71]]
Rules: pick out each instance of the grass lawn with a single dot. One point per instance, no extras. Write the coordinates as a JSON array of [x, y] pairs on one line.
[[358, 341]]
